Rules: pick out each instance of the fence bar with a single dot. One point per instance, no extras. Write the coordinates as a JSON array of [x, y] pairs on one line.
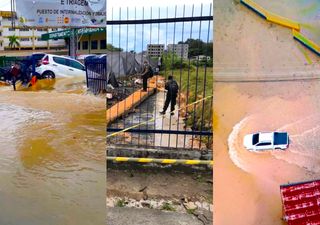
[[204, 133], [164, 20], [190, 73]]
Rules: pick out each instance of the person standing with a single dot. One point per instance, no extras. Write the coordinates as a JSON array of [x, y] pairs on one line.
[[146, 74], [172, 92], [15, 72]]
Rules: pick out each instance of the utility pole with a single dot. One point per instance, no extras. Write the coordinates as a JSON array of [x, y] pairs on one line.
[[73, 43]]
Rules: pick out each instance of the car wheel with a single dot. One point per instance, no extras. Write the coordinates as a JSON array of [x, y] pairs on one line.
[[48, 75]]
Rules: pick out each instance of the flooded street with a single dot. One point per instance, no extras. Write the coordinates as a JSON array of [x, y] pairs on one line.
[[265, 81], [52, 161], [256, 176]]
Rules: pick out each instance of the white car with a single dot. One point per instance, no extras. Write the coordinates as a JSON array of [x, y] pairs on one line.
[[267, 140], [60, 66]]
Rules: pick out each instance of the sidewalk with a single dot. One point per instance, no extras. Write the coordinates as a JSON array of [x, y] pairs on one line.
[[132, 216]]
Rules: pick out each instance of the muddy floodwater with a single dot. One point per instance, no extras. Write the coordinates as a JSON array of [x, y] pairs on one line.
[[251, 180], [247, 184], [52, 159]]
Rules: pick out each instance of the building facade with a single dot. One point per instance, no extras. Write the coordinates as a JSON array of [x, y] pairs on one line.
[[92, 43], [155, 50], [89, 40], [181, 50], [29, 38]]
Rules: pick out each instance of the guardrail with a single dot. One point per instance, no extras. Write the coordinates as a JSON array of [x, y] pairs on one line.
[[269, 16], [161, 161]]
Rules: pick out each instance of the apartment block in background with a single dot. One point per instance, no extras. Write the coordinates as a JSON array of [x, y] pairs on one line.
[[155, 50], [180, 50]]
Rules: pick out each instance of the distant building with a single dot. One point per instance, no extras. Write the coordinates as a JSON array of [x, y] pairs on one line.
[[180, 50], [29, 38], [201, 57], [155, 50]]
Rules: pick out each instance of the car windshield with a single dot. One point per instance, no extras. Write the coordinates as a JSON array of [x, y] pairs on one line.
[[255, 139]]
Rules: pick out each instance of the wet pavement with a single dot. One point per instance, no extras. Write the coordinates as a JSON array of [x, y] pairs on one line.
[[131, 216], [148, 110]]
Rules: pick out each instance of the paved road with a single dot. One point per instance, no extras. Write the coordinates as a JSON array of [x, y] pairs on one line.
[[132, 216]]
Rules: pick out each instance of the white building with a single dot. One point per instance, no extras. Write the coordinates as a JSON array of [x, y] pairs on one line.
[[155, 50], [201, 58], [29, 38], [180, 50]]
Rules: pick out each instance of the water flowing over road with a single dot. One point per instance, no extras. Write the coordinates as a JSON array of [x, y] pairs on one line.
[[52, 158]]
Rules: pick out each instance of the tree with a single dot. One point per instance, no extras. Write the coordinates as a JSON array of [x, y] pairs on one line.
[[13, 41], [111, 48], [198, 47]]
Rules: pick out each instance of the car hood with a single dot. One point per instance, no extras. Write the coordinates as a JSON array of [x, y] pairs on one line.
[[247, 141]]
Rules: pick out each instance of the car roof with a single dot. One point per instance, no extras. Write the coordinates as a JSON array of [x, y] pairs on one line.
[[65, 57], [61, 56], [265, 137]]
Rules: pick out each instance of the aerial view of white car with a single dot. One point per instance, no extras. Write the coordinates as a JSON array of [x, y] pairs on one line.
[[266, 141], [52, 66]]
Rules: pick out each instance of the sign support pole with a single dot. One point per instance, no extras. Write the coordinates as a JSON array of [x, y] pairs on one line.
[[73, 43]]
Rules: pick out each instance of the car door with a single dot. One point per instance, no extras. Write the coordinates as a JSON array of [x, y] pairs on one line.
[[263, 146], [76, 68], [61, 67]]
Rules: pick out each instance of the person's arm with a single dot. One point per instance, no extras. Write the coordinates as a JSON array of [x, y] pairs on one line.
[[146, 71], [167, 86]]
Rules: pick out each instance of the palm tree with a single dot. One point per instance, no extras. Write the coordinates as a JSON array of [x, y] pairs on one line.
[[13, 41]]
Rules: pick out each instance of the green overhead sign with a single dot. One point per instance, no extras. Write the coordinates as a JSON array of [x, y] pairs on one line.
[[67, 33]]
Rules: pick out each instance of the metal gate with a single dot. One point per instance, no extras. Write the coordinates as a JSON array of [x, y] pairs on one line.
[[96, 74], [175, 42]]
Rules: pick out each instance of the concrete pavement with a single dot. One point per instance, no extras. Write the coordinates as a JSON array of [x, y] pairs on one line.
[[133, 216]]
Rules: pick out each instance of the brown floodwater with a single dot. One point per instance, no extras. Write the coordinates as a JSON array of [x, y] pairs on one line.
[[52, 158], [248, 182]]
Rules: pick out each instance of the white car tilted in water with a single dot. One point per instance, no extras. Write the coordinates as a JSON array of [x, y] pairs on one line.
[[52, 66], [266, 141]]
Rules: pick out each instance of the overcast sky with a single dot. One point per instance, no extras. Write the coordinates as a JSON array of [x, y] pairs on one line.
[[5, 5]]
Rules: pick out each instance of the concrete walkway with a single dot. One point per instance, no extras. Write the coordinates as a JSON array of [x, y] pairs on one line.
[[173, 123], [132, 216]]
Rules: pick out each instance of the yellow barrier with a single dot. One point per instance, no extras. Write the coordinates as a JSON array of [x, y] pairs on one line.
[[282, 21], [271, 17], [254, 6], [305, 41], [162, 161]]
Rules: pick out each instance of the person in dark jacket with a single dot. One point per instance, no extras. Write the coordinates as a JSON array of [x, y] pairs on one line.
[[146, 74], [15, 72], [172, 92]]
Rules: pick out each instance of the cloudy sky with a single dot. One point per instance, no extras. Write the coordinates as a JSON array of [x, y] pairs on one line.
[[5, 5]]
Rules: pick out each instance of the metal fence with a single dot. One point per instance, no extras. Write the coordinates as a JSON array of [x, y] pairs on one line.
[[96, 74], [182, 39]]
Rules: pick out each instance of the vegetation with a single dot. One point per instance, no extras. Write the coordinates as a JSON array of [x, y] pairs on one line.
[[198, 47], [196, 83], [191, 211], [168, 207], [120, 203], [13, 42]]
